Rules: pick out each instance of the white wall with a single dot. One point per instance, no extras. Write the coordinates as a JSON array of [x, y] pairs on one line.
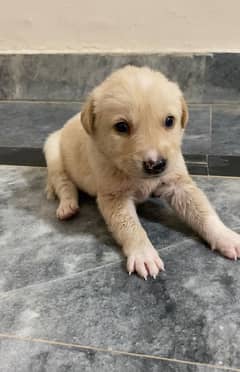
[[124, 25]]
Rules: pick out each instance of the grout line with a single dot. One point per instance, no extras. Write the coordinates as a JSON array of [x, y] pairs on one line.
[[192, 175], [9, 154], [114, 352], [40, 284], [210, 135], [210, 121], [196, 162], [58, 101], [207, 164], [216, 176], [175, 245], [218, 104], [192, 105]]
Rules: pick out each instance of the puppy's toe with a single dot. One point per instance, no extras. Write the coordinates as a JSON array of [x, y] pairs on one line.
[[238, 251], [141, 268], [151, 268], [229, 252], [159, 263], [49, 191], [67, 209], [131, 264]]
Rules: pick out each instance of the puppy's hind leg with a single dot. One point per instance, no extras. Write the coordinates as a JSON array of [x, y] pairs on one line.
[[68, 196], [58, 183]]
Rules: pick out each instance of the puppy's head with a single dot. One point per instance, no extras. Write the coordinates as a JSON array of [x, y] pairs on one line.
[[136, 118]]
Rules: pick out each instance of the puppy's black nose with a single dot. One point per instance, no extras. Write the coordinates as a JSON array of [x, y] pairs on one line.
[[154, 167]]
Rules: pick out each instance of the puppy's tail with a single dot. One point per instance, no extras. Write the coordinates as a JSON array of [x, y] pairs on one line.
[[54, 161]]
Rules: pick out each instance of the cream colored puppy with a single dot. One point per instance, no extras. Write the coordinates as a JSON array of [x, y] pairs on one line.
[[123, 146]]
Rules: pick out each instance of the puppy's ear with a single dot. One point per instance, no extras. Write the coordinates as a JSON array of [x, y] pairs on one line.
[[88, 115], [185, 115]]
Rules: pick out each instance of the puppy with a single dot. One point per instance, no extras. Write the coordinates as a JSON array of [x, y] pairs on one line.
[[124, 146]]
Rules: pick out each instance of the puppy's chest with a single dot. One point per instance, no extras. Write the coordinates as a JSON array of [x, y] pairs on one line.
[[144, 191]]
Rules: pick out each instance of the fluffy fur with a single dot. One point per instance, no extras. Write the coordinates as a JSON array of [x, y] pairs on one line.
[[88, 154]]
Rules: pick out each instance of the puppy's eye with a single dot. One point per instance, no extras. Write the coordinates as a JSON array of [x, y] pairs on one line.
[[169, 121], [122, 127]]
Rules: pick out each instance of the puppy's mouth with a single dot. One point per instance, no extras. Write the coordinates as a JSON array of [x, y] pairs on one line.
[[153, 176]]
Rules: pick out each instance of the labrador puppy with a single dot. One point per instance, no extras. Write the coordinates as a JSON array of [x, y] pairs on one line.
[[124, 146]]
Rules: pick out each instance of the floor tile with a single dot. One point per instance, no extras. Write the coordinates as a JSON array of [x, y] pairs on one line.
[[8, 75], [198, 168], [190, 312], [224, 165], [225, 130], [34, 245], [41, 248], [224, 195], [22, 356], [67, 282], [204, 78], [72, 76], [31, 156], [27, 124], [197, 137], [222, 78]]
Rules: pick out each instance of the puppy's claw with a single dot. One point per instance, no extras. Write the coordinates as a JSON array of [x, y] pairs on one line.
[[145, 277], [130, 273], [154, 277]]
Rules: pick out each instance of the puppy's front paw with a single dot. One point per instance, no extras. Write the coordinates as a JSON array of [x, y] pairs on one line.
[[67, 209], [227, 243], [145, 261]]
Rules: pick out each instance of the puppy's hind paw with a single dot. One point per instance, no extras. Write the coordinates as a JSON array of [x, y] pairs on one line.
[[67, 209]]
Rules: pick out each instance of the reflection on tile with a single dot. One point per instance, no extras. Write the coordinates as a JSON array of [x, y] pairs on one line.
[[193, 158], [27, 124], [190, 312], [225, 130], [27, 357], [72, 76], [222, 78], [22, 156], [198, 168], [8, 75], [197, 137], [224, 165]]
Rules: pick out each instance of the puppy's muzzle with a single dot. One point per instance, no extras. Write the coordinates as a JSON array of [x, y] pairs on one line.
[[154, 167]]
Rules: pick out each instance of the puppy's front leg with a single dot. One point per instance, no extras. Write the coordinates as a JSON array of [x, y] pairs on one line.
[[193, 207], [122, 220]]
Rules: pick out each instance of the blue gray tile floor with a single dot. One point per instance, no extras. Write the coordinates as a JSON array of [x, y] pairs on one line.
[[67, 303]]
